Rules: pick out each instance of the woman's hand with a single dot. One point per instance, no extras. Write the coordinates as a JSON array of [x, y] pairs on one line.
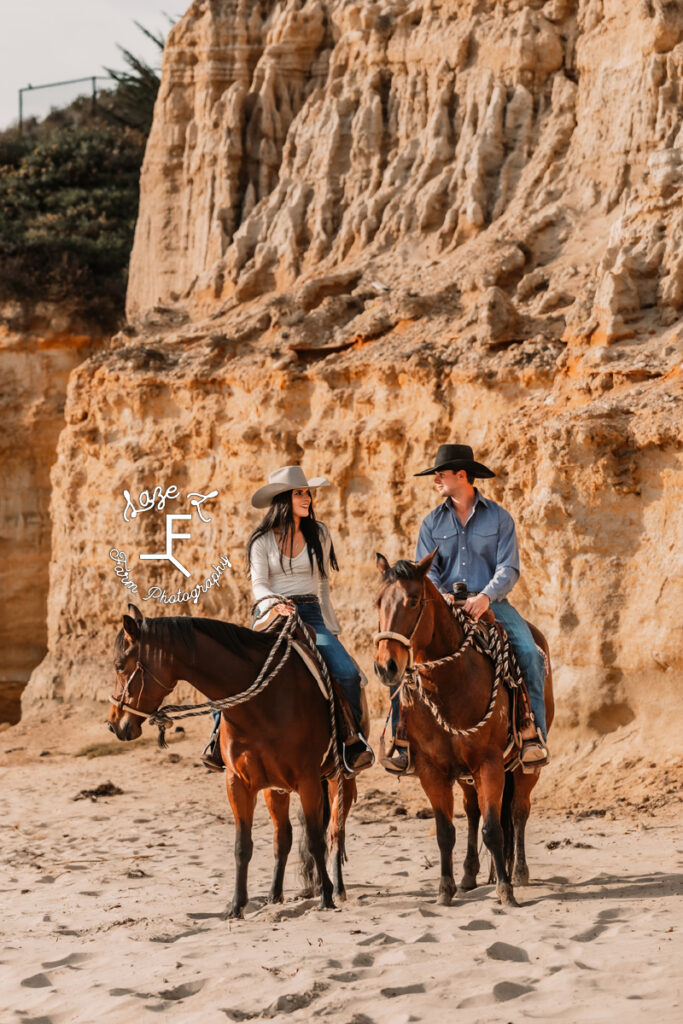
[[284, 609]]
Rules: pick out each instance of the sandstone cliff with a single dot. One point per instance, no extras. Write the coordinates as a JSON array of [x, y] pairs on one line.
[[36, 358], [369, 228]]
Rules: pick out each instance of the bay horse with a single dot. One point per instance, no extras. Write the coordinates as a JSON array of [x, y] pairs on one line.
[[275, 742], [416, 626]]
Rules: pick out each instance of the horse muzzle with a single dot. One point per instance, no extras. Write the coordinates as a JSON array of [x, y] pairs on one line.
[[389, 673], [124, 726]]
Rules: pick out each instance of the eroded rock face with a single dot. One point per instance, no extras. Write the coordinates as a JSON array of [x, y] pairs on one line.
[[366, 229], [35, 364]]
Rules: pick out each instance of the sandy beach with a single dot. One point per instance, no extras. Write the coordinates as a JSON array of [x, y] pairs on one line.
[[113, 907]]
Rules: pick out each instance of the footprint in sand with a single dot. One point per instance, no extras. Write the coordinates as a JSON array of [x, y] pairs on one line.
[[402, 990], [72, 960], [477, 926], [506, 990], [500, 993], [37, 981], [362, 960], [504, 951], [381, 939], [604, 919], [188, 988]]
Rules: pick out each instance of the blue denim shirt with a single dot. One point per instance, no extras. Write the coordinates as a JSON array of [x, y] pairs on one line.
[[483, 553]]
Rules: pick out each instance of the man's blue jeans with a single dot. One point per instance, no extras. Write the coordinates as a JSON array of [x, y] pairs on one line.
[[337, 659], [530, 659]]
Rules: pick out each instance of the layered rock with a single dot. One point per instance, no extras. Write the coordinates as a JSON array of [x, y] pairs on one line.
[[36, 359], [369, 228]]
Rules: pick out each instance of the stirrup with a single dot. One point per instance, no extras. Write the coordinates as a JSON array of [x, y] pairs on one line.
[[390, 765], [358, 737], [211, 756]]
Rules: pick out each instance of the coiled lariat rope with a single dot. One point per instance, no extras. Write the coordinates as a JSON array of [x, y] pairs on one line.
[[505, 665], [170, 713]]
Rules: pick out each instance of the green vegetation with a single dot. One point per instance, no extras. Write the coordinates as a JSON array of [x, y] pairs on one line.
[[69, 199]]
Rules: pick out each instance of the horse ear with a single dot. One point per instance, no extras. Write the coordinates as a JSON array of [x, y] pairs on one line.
[[425, 563], [382, 564], [131, 628], [135, 612]]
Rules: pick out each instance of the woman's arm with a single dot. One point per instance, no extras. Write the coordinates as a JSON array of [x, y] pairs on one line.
[[329, 617], [260, 575]]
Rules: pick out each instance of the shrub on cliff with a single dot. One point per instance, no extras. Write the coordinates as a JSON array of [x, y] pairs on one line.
[[68, 204], [69, 198]]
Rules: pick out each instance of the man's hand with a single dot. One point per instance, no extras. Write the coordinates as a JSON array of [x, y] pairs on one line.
[[476, 606], [449, 599]]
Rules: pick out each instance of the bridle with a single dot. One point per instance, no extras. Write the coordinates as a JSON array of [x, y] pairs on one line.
[[407, 641], [121, 704]]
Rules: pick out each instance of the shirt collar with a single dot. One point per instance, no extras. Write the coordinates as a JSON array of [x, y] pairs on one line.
[[479, 499]]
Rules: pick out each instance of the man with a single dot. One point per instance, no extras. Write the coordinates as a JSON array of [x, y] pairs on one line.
[[476, 544]]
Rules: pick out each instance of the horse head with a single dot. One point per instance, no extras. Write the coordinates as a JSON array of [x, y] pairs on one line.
[[406, 616], [138, 691]]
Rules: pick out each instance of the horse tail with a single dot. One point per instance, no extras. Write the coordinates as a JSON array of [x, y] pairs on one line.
[[307, 871]]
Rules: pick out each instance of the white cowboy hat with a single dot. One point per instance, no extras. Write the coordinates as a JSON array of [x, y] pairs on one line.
[[285, 479]]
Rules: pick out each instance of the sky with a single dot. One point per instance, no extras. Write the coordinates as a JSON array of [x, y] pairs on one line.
[[52, 40]]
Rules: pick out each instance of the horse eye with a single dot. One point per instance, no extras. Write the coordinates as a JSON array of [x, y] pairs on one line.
[[412, 602], [119, 666]]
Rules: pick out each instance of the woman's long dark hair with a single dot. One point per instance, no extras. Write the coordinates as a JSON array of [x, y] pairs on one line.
[[280, 517]]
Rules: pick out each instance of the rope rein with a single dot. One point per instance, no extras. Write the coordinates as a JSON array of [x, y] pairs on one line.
[[506, 669]]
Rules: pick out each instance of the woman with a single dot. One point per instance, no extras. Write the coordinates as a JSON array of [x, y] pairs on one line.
[[290, 554]]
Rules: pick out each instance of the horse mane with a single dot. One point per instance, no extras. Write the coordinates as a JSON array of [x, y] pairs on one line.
[[403, 570], [238, 640]]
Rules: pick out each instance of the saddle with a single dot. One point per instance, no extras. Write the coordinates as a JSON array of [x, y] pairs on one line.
[[518, 694], [272, 622]]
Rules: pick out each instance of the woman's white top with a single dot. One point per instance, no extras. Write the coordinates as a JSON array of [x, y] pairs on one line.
[[268, 577]]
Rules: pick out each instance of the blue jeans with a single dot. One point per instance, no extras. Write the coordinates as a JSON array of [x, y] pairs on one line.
[[335, 656], [531, 662], [337, 659]]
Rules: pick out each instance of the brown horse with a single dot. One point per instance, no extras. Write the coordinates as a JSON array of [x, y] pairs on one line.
[[275, 742], [416, 625]]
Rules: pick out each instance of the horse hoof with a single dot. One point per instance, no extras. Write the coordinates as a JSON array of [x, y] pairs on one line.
[[327, 904], [340, 894], [307, 893], [236, 914], [467, 883], [521, 876], [445, 897], [275, 898], [507, 896]]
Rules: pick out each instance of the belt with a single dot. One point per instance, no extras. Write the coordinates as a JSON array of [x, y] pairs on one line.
[[304, 599]]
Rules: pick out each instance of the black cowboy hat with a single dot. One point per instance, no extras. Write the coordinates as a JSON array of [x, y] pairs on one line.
[[455, 457]]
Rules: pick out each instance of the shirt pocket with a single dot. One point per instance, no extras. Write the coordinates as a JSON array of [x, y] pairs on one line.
[[483, 540], [447, 541]]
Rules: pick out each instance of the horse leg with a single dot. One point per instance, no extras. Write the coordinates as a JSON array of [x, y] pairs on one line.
[[311, 795], [490, 780], [521, 805], [471, 864], [242, 802], [440, 795], [278, 808], [337, 853]]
